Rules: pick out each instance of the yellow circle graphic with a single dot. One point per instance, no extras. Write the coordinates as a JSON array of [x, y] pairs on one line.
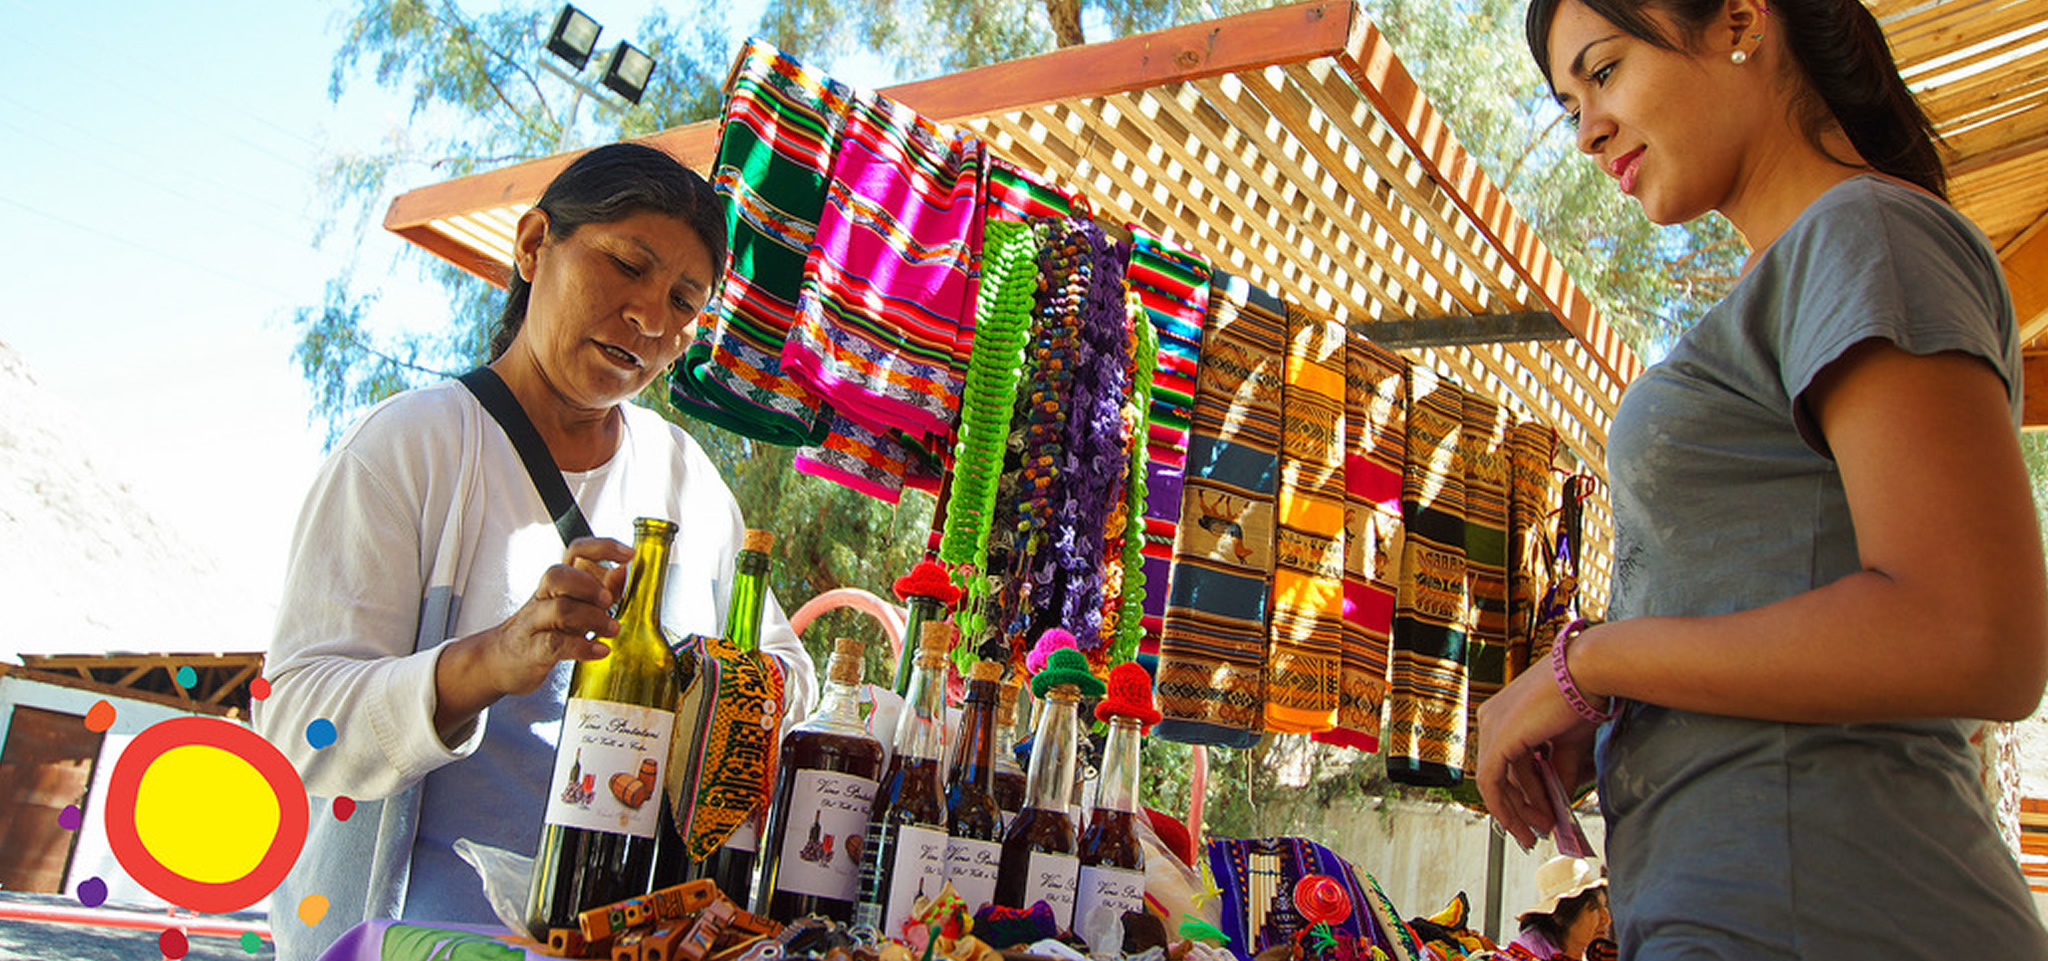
[[205, 813]]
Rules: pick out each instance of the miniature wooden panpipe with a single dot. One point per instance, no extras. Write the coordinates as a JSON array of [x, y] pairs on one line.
[[687, 922]]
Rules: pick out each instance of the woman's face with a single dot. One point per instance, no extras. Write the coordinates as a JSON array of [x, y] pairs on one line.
[[612, 303], [1671, 127], [1593, 922]]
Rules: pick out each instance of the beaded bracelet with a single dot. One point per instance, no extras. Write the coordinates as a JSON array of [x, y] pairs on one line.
[[1572, 694]]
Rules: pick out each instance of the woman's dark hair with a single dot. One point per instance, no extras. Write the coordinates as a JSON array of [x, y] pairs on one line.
[[1567, 913], [607, 184], [1840, 51]]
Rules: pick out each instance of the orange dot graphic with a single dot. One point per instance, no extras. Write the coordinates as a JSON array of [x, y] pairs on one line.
[[99, 717], [312, 909]]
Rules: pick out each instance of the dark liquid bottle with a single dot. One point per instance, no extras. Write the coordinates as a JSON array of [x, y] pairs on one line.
[[904, 851], [823, 794], [1112, 880], [597, 841], [1040, 849], [974, 821], [1009, 780]]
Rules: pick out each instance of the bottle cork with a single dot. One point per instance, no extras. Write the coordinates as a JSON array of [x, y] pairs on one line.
[[985, 671], [845, 665], [1006, 704], [758, 540], [937, 638]]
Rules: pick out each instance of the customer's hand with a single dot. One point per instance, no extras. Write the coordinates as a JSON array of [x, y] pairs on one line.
[[572, 602], [1527, 714]]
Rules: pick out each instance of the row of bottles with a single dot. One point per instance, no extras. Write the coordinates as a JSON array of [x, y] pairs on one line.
[[846, 838]]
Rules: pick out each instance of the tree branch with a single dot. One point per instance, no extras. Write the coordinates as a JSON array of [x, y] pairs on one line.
[[1066, 21]]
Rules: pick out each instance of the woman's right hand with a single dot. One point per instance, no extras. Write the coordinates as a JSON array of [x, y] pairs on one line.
[[572, 602]]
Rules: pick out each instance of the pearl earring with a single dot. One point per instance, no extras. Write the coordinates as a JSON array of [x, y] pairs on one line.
[[1738, 58]]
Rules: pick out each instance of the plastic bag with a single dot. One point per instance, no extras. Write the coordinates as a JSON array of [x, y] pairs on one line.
[[506, 877]]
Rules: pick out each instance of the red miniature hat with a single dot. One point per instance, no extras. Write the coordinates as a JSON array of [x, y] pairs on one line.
[[1130, 695], [928, 579]]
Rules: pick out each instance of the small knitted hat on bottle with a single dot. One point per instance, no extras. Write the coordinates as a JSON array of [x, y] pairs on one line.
[[1052, 640], [928, 579], [1130, 695], [1067, 666]]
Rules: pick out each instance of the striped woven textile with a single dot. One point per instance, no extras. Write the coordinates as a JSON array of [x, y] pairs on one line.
[[1375, 449], [780, 125], [1015, 195], [891, 275], [1212, 647], [1305, 654], [871, 462], [1532, 489], [1484, 445], [1426, 703], [1172, 286]]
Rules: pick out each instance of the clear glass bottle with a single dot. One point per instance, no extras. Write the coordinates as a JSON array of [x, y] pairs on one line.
[[1009, 780], [903, 856], [1112, 879], [974, 821], [1041, 847], [597, 839], [823, 794]]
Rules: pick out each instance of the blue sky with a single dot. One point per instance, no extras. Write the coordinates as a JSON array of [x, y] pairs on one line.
[[159, 195]]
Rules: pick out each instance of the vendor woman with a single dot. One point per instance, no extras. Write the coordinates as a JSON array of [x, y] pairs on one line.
[[431, 612]]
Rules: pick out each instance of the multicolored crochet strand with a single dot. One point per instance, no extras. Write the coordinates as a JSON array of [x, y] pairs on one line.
[[1062, 290], [1130, 625], [1094, 463]]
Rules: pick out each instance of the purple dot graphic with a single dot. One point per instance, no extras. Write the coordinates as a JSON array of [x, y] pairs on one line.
[[320, 733], [92, 892], [70, 818]]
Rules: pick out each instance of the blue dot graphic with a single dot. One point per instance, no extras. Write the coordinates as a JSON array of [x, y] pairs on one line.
[[320, 733], [187, 677]]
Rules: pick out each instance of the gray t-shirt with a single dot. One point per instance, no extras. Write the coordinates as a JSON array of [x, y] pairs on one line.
[[1733, 838]]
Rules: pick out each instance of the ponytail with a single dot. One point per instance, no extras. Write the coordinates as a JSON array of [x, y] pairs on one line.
[[1849, 78]]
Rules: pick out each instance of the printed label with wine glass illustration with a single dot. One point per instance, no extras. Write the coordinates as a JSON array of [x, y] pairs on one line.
[[608, 767], [822, 858]]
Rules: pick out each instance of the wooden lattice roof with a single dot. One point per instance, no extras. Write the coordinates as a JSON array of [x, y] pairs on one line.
[[1980, 69], [220, 681]]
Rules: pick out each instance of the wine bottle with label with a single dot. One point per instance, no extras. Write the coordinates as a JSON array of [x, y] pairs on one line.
[[823, 794], [1112, 861], [732, 867], [597, 839], [1041, 848], [904, 851], [974, 821]]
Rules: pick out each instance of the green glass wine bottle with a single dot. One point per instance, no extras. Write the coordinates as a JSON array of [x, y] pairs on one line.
[[597, 842]]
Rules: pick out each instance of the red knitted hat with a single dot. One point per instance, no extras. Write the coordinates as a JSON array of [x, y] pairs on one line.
[[928, 579], [1130, 695]]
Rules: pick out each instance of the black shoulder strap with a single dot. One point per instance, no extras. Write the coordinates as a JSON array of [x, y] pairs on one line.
[[490, 390]]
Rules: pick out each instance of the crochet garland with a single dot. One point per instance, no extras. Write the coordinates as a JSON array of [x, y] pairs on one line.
[[1094, 461], [1009, 283], [1130, 627]]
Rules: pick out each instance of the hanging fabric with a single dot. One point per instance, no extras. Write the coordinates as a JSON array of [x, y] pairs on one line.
[[1484, 450], [1375, 448], [1305, 654], [781, 122], [1426, 704], [1173, 288], [1018, 197], [1127, 622], [1533, 488], [891, 275], [1213, 642]]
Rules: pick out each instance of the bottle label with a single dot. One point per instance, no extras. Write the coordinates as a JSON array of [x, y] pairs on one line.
[[919, 872], [821, 840], [1052, 879], [971, 867], [608, 767], [1106, 894]]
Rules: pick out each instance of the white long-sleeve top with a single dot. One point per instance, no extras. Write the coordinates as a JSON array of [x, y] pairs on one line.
[[423, 526]]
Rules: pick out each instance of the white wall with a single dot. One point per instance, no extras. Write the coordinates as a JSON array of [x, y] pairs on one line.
[[93, 856], [1423, 854]]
